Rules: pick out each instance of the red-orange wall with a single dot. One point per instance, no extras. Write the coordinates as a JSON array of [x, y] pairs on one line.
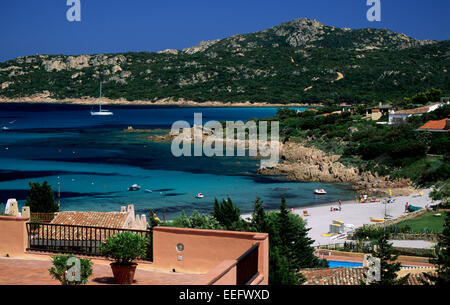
[[13, 235], [204, 250]]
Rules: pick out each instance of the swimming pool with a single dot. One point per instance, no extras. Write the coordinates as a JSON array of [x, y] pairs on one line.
[[334, 264]]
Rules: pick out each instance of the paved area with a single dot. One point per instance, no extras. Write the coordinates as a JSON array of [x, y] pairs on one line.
[[25, 271], [418, 244]]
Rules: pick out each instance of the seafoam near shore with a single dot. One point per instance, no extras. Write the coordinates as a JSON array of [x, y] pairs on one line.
[[355, 213]]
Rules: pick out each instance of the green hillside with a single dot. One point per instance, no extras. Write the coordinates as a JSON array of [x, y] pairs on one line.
[[298, 61]]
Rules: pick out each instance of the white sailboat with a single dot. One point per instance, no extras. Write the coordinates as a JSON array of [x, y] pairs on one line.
[[101, 111]]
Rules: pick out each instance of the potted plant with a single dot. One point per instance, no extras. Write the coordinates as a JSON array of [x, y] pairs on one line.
[[123, 248], [70, 270]]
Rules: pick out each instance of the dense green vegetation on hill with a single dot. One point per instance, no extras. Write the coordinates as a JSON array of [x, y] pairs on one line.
[[298, 61], [396, 150]]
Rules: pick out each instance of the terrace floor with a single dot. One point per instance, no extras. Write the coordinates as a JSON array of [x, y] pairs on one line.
[[34, 271]]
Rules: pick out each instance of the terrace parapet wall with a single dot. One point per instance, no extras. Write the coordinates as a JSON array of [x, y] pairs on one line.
[[210, 252], [13, 235]]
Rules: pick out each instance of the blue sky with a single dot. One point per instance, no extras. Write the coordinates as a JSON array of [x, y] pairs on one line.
[[29, 27]]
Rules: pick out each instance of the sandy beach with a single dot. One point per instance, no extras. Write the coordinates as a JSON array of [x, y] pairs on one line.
[[355, 213]]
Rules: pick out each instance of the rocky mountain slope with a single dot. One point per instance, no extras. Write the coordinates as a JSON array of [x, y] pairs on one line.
[[299, 61]]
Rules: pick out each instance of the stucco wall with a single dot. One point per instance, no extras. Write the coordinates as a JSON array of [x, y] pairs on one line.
[[205, 250], [13, 235]]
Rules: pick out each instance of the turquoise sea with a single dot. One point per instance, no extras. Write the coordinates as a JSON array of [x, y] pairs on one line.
[[96, 161]]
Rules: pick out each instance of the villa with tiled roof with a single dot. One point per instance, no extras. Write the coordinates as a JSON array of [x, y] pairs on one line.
[[78, 221], [436, 126], [355, 275], [400, 116], [125, 219]]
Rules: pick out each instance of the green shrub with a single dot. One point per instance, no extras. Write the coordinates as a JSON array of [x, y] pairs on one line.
[[61, 266], [124, 247]]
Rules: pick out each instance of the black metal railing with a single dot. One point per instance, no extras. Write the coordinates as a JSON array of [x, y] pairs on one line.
[[247, 265], [80, 240]]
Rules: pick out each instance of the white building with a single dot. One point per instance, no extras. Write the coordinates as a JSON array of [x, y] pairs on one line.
[[400, 116]]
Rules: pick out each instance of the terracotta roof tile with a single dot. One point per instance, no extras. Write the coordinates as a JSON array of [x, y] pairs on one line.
[[435, 125], [112, 220], [354, 276], [94, 219], [419, 110]]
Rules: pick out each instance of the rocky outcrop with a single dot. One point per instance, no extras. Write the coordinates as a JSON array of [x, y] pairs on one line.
[[301, 163]]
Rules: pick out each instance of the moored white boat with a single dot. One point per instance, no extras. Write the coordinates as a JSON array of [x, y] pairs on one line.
[[134, 187], [100, 110], [320, 192]]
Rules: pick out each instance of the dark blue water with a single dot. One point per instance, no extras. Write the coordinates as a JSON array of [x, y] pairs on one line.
[[96, 161]]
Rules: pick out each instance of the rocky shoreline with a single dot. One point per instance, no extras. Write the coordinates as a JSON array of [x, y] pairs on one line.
[[308, 164], [301, 163], [44, 98]]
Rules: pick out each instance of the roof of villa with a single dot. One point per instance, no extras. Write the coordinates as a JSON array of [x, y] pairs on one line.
[[94, 219], [435, 125], [418, 110], [112, 222], [354, 275]]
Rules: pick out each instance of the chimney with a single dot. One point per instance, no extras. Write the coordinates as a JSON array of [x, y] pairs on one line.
[[12, 207], [144, 222], [131, 210], [138, 222], [26, 212]]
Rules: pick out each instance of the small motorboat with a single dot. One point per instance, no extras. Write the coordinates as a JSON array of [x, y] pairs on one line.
[[134, 187], [5, 128], [148, 191], [199, 195], [320, 192]]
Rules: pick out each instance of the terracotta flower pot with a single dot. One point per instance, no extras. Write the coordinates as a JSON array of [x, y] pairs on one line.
[[123, 274]]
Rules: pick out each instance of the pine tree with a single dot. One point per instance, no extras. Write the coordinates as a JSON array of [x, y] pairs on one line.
[[280, 270], [442, 259], [295, 241], [41, 198], [388, 273], [227, 214], [260, 222]]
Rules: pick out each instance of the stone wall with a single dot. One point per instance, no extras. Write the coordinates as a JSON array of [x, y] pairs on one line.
[[419, 236]]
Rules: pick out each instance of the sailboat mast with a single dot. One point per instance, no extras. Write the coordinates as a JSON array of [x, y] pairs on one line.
[[100, 102]]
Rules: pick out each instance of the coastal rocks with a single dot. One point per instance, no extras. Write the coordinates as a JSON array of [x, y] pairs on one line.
[[6, 85], [301, 163]]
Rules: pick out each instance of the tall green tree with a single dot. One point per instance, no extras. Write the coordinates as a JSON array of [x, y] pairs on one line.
[[442, 259], [227, 214], [384, 251], [260, 221], [280, 269], [295, 242], [290, 247], [41, 198]]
